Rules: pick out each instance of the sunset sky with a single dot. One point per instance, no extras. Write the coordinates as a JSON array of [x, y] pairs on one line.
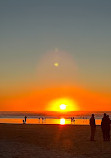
[[55, 52]]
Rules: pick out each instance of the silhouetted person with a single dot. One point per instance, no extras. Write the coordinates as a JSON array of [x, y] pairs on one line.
[[39, 119], [42, 119], [71, 119], [108, 128], [104, 126], [25, 119], [93, 127]]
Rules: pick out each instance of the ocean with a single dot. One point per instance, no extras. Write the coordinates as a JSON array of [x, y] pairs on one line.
[[51, 117]]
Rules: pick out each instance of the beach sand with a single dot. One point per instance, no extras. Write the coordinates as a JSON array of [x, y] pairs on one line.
[[51, 141]]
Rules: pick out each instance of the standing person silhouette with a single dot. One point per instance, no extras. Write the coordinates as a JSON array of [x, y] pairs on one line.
[[93, 127], [108, 128], [104, 126], [25, 119]]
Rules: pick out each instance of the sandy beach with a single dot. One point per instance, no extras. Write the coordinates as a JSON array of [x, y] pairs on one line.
[[51, 141]]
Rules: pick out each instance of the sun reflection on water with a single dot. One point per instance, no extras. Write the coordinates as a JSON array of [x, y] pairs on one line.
[[62, 121]]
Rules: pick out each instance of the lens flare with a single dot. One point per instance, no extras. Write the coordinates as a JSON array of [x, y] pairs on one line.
[[56, 64]]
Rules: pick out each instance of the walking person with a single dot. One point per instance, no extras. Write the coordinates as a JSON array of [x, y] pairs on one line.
[[93, 127]]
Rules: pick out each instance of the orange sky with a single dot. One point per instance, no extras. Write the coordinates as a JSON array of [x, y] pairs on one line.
[[53, 53], [42, 99], [50, 85]]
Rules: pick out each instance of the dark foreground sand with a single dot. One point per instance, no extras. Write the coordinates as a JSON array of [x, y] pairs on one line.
[[51, 141]]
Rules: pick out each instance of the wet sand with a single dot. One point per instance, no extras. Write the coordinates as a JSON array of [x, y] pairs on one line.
[[51, 141]]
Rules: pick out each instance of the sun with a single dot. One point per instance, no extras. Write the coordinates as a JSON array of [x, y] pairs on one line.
[[62, 106]]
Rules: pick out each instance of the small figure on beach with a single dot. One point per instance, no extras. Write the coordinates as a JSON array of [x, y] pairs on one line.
[[105, 125], [42, 120], [72, 120], [93, 127], [25, 119]]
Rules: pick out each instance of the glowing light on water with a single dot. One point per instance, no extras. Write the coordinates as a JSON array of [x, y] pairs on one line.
[[62, 121]]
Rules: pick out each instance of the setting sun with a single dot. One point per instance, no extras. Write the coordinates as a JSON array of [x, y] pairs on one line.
[[62, 106]]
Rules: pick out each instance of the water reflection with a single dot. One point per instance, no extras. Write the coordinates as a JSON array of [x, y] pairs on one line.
[[61, 121]]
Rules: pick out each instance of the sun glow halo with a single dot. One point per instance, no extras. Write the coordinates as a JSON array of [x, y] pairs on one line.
[[62, 104]]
